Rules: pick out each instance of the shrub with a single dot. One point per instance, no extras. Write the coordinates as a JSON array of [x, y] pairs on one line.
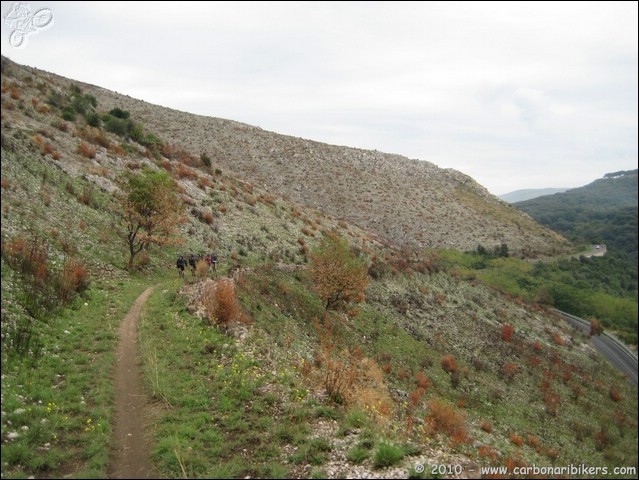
[[207, 217], [507, 332], [387, 455], [517, 440], [422, 380], [206, 160], [86, 150], [201, 268], [68, 115], [614, 393], [74, 280], [443, 418], [533, 441], [601, 440], [119, 113], [93, 119], [537, 346], [535, 361], [595, 327], [558, 339], [449, 364], [415, 397], [486, 426], [509, 371], [220, 301], [552, 401], [357, 454]]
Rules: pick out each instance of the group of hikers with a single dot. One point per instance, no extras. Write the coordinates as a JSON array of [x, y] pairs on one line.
[[210, 259]]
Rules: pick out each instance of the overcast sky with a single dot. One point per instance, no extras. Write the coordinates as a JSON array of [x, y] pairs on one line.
[[516, 95]]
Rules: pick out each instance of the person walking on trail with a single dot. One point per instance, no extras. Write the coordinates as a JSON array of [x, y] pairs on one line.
[[192, 263], [214, 261], [181, 265]]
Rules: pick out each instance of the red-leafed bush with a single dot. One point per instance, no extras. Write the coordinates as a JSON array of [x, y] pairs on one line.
[[507, 332]]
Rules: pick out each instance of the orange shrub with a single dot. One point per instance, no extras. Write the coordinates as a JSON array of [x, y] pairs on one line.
[[552, 453], [75, 279], [415, 396], [552, 401], [517, 440], [86, 150], [614, 393], [535, 361], [387, 368], [442, 418], [207, 217], [486, 426], [558, 339], [509, 371], [533, 441], [220, 301], [486, 451], [507, 332], [601, 440], [537, 346], [449, 364], [422, 380]]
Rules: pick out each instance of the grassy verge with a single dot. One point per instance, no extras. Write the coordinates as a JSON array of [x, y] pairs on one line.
[[57, 401], [220, 411]]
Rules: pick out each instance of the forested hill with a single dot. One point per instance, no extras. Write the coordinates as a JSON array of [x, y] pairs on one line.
[[604, 211]]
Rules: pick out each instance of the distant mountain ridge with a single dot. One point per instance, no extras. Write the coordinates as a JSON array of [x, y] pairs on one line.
[[529, 194], [602, 211]]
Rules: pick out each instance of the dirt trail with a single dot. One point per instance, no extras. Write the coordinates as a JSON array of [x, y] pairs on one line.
[[130, 457]]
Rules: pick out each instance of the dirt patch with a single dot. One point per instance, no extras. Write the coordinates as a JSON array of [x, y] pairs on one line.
[[131, 457]]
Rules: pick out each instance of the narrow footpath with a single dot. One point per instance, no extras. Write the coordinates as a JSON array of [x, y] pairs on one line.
[[131, 455]]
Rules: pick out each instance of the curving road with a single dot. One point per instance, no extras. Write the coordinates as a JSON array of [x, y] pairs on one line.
[[609, 346]]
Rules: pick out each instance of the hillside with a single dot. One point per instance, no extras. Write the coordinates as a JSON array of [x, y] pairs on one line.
[[604, 211], [434, 369], [529, 194], [405, 201]]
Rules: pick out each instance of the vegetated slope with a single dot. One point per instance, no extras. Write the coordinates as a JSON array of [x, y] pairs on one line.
[[443, 370], [406, 201], [529, 194], [604, 211]]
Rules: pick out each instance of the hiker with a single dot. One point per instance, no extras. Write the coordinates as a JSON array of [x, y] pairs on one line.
[[192, 262], [181, 265], [214, 261], [209, 261]]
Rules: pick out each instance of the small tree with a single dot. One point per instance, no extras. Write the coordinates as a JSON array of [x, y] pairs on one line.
[[151, 211], [339, 276]]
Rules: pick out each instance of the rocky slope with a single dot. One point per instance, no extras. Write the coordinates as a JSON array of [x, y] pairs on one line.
[[409, 202]]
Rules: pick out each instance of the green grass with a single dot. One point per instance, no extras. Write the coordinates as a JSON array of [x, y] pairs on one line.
[[232, 407], [60, 402], [387, 455], [217, 402]]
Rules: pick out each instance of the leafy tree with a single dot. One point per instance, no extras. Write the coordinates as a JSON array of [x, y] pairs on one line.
[[151, 211], [339, 276]]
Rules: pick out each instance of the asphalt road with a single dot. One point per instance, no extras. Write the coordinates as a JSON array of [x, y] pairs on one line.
[[609, 346]]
